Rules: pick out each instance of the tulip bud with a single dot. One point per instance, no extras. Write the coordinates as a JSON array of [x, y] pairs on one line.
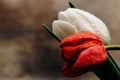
[[82, 52], [75, 20]]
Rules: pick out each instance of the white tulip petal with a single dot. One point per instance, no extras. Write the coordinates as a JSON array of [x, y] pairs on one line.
[[98, 26], [63, 16], [63, 29], [74, 18]]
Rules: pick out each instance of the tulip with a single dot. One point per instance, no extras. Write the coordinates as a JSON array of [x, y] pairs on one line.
[[74, 21], [82, 36], [82, 52]]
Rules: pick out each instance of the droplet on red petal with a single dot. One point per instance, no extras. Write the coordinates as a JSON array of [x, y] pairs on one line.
[[87, 60], [70, 53], [77, 38], [91, 57], [82, 52]]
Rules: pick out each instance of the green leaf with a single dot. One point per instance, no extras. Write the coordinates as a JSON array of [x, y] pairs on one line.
[[71, 5], [50, 31]]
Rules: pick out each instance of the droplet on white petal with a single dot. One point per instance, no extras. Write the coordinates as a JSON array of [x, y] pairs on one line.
[[63, 29], [97, 24], [76, 19], [85, 21]]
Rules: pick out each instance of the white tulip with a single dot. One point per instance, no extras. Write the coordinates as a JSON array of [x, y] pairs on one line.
[[75, 20]]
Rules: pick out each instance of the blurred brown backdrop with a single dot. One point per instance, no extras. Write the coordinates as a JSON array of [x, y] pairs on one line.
[[29, 52]]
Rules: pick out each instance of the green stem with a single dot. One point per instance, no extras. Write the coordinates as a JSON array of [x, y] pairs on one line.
[[112, 47], [108, 70], [50, 31]]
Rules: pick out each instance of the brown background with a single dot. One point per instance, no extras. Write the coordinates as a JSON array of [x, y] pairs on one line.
[[29, 52]]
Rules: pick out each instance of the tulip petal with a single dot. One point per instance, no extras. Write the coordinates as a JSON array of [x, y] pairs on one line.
[[98, 26], [85, 21], [73, 45], [69, 71], [63, 29], [74, 18], [71, 53], [82, 52], [78, 38], [91, 57], [87, 60]]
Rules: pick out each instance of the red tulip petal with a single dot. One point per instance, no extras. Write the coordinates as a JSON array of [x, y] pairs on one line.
[[87, 60], [78, 38], [82, 52], [70, 53], [91, 57], [69, 71]]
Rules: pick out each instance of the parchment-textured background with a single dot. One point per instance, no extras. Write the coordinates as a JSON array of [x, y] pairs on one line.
[[29, 52]]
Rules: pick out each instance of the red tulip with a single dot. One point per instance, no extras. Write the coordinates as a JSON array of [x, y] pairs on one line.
[[82, 52]]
